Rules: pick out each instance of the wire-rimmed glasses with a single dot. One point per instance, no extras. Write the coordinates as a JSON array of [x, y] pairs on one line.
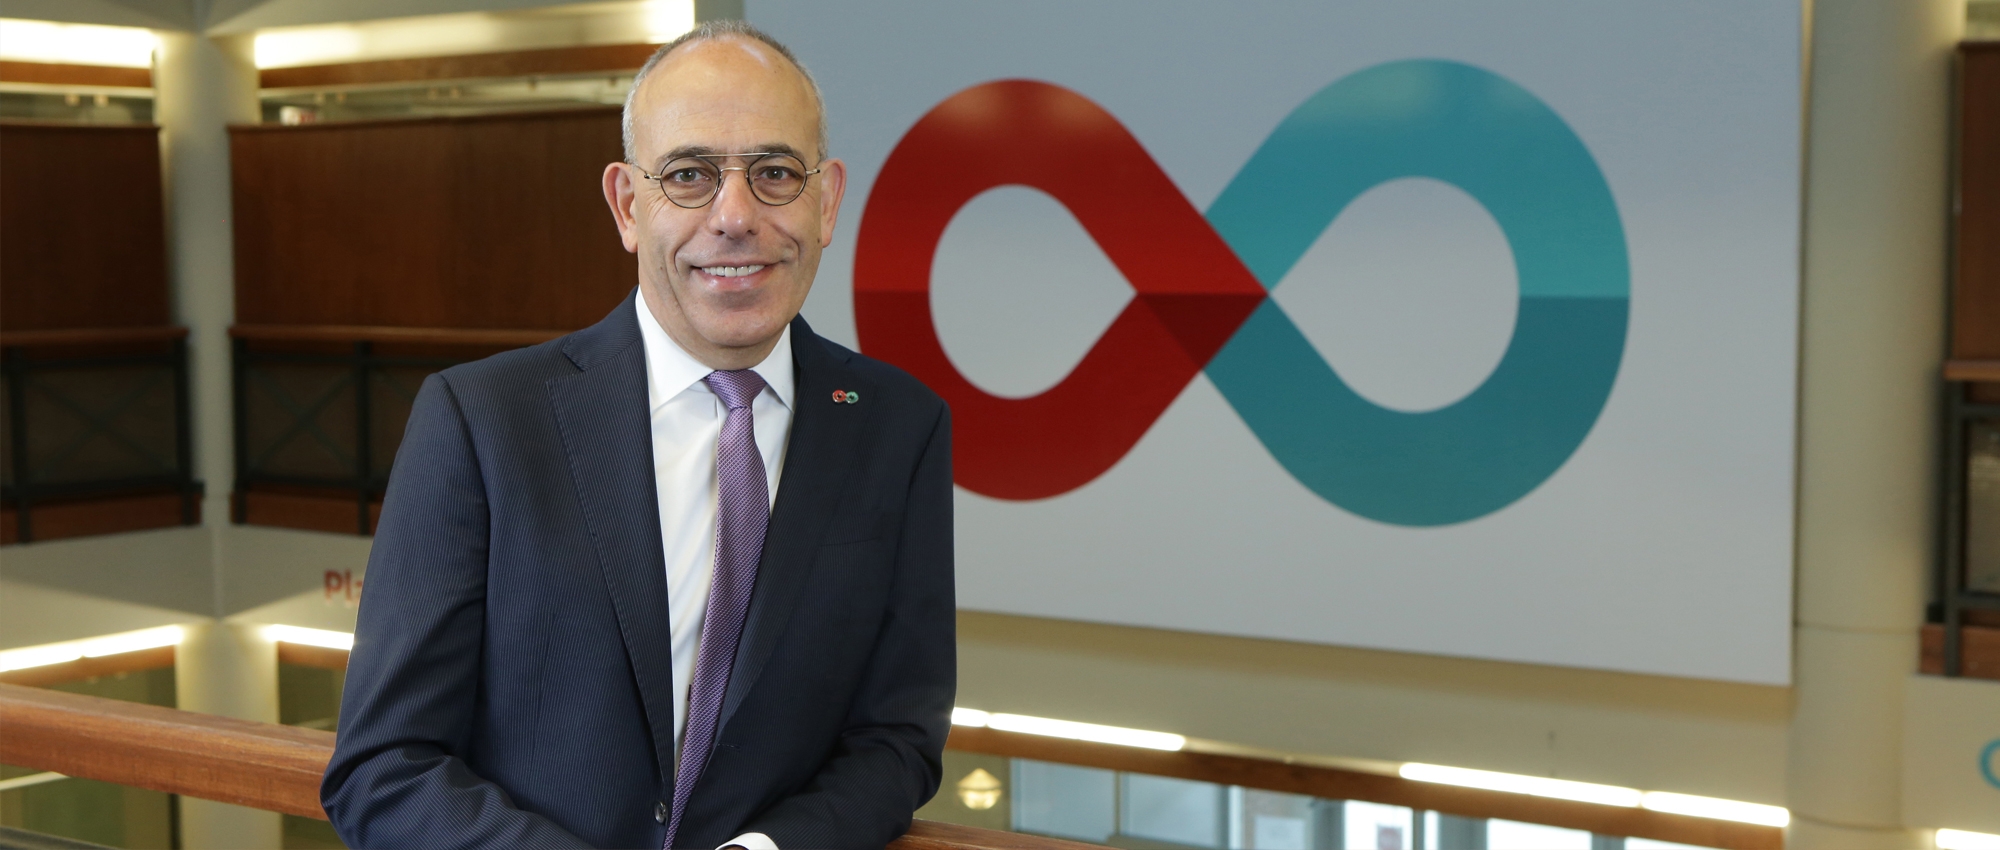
[[692, 181]]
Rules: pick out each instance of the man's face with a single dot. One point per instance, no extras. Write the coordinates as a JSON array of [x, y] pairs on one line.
[[725, 278]]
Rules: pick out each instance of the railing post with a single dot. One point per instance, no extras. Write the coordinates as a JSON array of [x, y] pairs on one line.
[[239, 370], [14, 362], [363, 458], [183, 439], [1951, 564]]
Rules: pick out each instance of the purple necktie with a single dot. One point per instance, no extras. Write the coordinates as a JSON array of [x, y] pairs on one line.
[[743, 508]]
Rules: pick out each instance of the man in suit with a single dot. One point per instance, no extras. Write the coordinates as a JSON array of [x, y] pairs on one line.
[[683, 578]]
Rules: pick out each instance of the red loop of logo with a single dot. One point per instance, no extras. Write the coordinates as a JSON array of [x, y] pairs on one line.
[[1191, 291]]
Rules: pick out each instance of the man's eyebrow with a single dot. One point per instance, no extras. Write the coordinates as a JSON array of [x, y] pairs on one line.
[[705, 150], [687, 150]]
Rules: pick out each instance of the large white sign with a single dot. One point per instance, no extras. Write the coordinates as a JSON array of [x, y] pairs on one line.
[[1456, 328]]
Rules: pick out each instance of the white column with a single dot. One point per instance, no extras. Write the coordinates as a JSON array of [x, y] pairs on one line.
[[1876, 207], [203, 85], [229, 669]]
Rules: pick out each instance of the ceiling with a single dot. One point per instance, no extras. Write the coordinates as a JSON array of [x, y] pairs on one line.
[[220, 17]]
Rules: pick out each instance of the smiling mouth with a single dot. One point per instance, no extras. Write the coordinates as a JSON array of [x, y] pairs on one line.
[[733, 271]]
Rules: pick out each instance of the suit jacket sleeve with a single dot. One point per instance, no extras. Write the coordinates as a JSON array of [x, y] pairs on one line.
[[397, 778], [888, 760]]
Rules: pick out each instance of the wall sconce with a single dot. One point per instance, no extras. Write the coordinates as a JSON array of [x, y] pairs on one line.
[[979, 790]]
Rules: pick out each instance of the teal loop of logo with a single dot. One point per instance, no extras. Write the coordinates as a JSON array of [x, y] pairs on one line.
[[1986, 760], [1499, 143]]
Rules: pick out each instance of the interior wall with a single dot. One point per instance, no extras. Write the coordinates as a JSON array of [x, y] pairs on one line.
[[485, 222], [1656, 733], [82, 227], [1975, 332]]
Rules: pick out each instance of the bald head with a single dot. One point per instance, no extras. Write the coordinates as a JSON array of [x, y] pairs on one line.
[[721, 54]]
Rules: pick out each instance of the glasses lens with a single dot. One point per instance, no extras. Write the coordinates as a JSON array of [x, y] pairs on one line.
[[778, 178], [689, 182]]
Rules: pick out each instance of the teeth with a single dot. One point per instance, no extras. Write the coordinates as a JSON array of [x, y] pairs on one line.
[[733, 271]]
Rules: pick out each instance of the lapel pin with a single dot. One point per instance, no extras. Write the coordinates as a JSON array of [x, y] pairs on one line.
[[845, 397]]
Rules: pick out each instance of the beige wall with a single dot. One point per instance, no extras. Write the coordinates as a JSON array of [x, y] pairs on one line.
[[1655, 733]]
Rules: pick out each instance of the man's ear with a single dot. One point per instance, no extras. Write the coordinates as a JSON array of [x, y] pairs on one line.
[[620, 194], [833, 184]]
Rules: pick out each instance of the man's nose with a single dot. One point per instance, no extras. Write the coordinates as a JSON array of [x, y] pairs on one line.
[[735, 209]]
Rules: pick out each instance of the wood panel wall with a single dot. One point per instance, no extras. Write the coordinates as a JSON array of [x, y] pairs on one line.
[[493, 221], [1976, 293], [82, 227]]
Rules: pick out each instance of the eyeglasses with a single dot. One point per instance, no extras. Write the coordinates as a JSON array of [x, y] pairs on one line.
[[691, 182]]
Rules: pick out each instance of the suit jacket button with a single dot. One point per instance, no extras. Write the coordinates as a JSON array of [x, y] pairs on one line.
[[660, 812]]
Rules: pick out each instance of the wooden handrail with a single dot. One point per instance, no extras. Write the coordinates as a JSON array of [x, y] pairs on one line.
[[1972, 370], [384, 333], [90, 336], [69, 74], [599, 58], [1339, 783], [90, 667], [260, 765]]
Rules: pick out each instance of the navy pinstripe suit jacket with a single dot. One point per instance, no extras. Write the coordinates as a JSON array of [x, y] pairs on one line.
[[511, 682]]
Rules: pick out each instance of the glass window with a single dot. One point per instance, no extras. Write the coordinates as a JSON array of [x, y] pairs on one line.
[[1451, 832], [1065, 801], [1268, 820], [1373, 826], [1179, 811], [1513, 835]]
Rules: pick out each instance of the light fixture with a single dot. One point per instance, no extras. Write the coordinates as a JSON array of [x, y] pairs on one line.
[[1711, 807], [31, 780], [97, 647], [1513, 783], [1603, 795], [284, 48], [979, 790], [1069, 729], [310, 637], [666, 20], [76, 44], [1958, 839]]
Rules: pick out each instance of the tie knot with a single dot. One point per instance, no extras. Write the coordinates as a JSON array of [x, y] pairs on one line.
[[736, 387]]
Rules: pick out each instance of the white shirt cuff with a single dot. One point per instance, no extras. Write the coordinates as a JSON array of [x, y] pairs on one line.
[[751, 841]]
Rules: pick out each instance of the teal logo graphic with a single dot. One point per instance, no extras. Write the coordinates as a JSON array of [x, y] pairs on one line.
[[1987, 757], [1503, 146]]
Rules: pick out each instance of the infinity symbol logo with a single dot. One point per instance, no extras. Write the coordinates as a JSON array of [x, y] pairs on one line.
[[1202, 287]]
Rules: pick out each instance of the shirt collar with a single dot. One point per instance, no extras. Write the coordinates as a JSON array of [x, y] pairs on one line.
[[670, 370]]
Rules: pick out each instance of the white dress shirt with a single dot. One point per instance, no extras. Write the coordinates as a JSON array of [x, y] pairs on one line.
[[687, 421]]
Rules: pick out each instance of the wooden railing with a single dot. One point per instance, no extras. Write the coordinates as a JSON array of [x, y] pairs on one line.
[[278, 767], [1340, 783], [260, 765], [472, 337]]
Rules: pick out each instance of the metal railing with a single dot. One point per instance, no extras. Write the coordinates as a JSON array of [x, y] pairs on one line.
[[1972, 407], [321, 408], [94, 413]]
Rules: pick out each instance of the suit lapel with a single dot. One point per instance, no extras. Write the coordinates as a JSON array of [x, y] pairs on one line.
[[604, 416], [820, 457]]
